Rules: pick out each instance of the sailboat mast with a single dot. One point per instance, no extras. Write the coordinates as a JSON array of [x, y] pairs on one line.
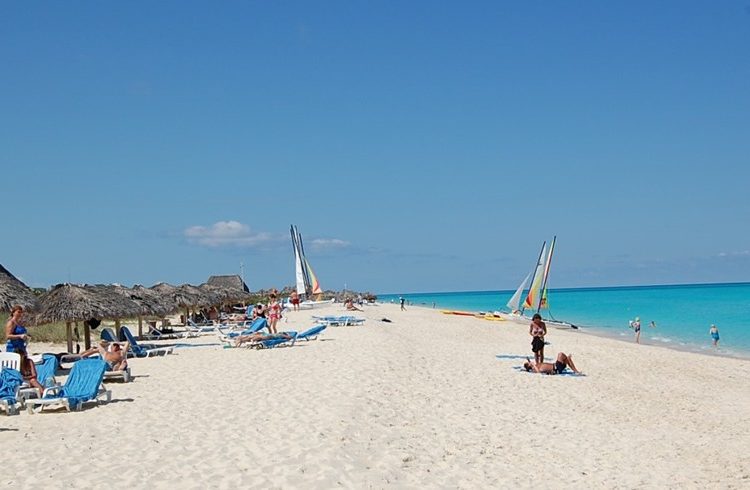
[[533, 278], [543, 291]]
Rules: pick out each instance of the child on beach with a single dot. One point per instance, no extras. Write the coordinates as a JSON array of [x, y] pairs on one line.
[[714, 335]]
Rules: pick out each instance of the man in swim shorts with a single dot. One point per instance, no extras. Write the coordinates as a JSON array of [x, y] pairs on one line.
[[563, 362]]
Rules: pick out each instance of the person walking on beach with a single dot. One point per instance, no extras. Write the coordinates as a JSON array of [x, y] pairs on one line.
[[636, 326], [402, 301], [537, 330], [714, 335]]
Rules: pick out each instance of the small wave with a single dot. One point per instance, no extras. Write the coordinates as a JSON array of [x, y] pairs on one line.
[[662, 339]]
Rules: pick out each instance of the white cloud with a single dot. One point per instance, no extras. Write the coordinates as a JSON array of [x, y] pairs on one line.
[[226, 234], [321, 243]]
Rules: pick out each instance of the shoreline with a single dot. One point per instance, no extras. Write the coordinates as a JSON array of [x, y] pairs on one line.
[[628, 338]]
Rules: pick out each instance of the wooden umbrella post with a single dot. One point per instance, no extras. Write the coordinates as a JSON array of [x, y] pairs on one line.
[[117, 329], [69, 335], [86, 335], [140, 327]]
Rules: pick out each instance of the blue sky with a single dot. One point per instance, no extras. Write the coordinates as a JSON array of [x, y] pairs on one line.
[[418, 146]]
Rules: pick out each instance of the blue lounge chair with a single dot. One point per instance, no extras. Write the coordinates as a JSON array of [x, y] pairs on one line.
[[271, 343], [83, 385], [10, 382], [312, 332], [45, 372], [255, 327], [144, 350]]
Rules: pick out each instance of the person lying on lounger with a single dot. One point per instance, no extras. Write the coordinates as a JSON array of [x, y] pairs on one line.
[[260, 336], [116, 356], [563, 361]]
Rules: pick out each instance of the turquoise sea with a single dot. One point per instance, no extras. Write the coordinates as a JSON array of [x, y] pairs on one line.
[[682, 313]]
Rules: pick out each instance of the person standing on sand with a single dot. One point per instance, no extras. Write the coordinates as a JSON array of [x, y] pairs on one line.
[[537, 330], [274, 313], [714, 335], [294, 299], [402, 301], [636, 326]]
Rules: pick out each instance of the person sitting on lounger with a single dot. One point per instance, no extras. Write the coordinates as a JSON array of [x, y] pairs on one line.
[[563, 361], [116, 356], [259, 337], [349, 304]]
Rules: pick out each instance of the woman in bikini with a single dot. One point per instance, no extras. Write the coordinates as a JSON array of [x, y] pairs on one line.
[[563, 361], [274, 313]]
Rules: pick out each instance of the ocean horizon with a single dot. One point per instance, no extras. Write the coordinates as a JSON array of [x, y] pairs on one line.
[[682, 313]]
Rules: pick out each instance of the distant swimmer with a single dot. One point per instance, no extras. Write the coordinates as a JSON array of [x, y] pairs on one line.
[[652, 324], [714, 335]]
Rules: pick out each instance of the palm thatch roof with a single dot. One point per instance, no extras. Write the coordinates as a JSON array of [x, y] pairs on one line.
[[229, 282], [71, 302], [222, 294], [14, 292], [150, 302], [186, 295]]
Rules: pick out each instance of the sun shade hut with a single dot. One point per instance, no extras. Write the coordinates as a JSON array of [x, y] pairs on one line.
[[14, 292], [223, 294], [70, 303], [151, 303], [185, 296]]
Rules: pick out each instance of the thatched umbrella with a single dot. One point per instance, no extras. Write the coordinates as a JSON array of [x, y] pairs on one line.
[[185, 296], [70, 302], [167, 293], [14, 292], [150, 302]]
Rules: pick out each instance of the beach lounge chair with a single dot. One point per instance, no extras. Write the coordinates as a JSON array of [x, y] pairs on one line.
[[142, 350], [312, 332], [10, 360], [195, 328], [10, 382], [255, 327], [156, 334], [271, 343], [45, 374], [83, 385], [339, 321]]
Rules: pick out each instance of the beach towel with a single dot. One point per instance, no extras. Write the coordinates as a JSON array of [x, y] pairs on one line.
[[10, 380]]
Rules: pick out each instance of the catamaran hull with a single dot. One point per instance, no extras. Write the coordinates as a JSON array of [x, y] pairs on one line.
[[309, 305]]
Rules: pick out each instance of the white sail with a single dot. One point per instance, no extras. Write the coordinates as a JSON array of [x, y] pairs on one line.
[[514, 304], [299, 273]]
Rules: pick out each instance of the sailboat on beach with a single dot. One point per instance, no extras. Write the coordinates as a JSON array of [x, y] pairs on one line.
[[308, 286], [536, 297]]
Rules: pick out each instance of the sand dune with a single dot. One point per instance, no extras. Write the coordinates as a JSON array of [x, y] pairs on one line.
[[429, 400]]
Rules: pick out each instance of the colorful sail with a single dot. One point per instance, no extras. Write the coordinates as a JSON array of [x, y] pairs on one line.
[[543, 299], [314, 284], [535, 290]]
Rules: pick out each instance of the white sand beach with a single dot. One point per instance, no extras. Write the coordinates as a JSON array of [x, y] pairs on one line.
[[427, 401]]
